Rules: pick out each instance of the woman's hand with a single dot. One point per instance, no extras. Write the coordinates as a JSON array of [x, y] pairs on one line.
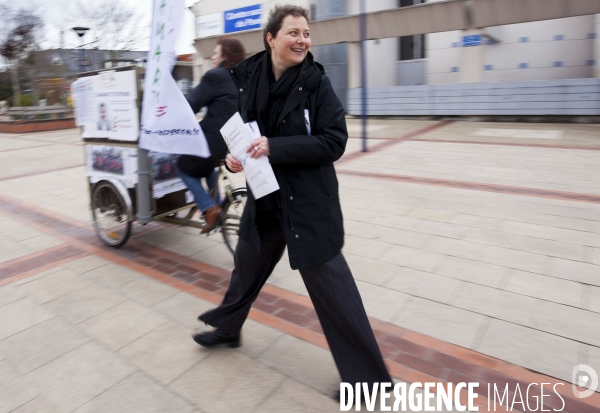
[[233, 164], [260, 146]]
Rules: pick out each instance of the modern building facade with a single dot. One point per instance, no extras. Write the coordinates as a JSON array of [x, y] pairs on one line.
[[546, 50]]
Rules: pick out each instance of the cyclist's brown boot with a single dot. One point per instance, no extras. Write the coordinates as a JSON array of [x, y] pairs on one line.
[[212, 217]]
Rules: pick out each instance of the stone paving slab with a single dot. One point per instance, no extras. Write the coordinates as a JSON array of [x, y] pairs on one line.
[[442, 270]]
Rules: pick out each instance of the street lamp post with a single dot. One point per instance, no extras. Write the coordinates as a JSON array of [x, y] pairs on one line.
[[363, 73], [80, 32]]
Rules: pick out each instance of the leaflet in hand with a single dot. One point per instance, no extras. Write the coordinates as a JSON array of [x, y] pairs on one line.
[[259, 174]]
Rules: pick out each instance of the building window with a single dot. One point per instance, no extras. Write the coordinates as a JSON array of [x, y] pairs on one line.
[[313, 11], [411, 47]]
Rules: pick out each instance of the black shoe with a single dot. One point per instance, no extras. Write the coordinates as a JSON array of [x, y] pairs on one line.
[[213, 338]]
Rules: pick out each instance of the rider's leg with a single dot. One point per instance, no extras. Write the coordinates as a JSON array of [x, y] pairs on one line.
[[211, 181], [203, 200]]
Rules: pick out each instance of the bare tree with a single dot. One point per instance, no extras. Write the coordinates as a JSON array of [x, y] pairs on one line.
[[113, 25], [19, 38]]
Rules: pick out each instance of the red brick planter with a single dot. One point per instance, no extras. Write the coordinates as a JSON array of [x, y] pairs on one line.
[[28, 126]]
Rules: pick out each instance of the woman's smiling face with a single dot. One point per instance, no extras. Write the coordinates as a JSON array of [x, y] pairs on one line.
[[291, 45]]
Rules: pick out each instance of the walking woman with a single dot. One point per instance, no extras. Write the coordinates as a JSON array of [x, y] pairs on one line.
[[219, 95], [304, 132]]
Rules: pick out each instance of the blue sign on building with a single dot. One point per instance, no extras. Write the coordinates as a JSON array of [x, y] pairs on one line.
[[244, 18], [473, 40]]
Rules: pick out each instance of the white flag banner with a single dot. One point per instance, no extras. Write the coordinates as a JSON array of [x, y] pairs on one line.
[[168, 123]]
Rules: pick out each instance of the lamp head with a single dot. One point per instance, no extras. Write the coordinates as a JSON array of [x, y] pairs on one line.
[[80, 30]]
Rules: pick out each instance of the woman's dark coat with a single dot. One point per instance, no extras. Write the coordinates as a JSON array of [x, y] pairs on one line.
[[217, 92], [303, 164]]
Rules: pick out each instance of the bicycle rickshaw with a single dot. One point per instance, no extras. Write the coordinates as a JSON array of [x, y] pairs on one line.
[[129, 184]]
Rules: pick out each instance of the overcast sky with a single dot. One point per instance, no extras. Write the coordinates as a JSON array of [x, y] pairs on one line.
[[54, 11]]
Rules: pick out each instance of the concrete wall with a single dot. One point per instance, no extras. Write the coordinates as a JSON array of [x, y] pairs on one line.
[[597, 46], [411, 72], [333, 57], [566, 48], [443, 57], [381, 54], [545, 50], [554, 97]]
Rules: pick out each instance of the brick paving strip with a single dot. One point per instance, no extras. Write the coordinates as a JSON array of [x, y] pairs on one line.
[[410, 356], [475, 186], [38, 262], [388, 142]]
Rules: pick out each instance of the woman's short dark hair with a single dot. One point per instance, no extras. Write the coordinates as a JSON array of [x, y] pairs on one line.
[[232, 51], [276, 16]]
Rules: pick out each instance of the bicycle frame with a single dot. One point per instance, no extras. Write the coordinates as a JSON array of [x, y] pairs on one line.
[[222, 175]]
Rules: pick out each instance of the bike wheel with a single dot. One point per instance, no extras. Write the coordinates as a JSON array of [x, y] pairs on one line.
[[110, 214], [233, 206]]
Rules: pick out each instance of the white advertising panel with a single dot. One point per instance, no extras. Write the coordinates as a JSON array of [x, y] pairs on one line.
[[210, 25]]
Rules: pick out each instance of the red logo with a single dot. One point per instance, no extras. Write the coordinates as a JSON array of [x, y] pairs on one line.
[[161, 110]]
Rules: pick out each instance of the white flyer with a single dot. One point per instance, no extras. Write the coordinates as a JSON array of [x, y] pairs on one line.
[[259, 174]]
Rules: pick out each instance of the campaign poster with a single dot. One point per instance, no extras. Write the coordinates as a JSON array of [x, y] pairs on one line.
[[115, 113], [164, 174], [112, 161]]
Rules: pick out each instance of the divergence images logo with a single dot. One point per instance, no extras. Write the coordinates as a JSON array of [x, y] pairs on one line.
[[584, 376]]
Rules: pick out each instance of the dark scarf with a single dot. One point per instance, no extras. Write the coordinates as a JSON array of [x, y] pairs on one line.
[[266, 100], [266, 107]]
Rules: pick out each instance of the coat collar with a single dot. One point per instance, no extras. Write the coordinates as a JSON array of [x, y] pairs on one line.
[[308, 79]]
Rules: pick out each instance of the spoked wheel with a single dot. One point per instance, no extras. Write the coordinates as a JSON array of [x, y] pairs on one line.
[[232, 208], [110, 215]]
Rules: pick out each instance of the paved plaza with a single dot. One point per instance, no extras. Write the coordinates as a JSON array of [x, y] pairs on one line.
[[475, 246]]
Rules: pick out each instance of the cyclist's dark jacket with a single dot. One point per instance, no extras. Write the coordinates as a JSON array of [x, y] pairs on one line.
[[303, 163], [218, 93]]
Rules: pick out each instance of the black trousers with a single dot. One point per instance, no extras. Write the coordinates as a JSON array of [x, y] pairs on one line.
[[331, 288]]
